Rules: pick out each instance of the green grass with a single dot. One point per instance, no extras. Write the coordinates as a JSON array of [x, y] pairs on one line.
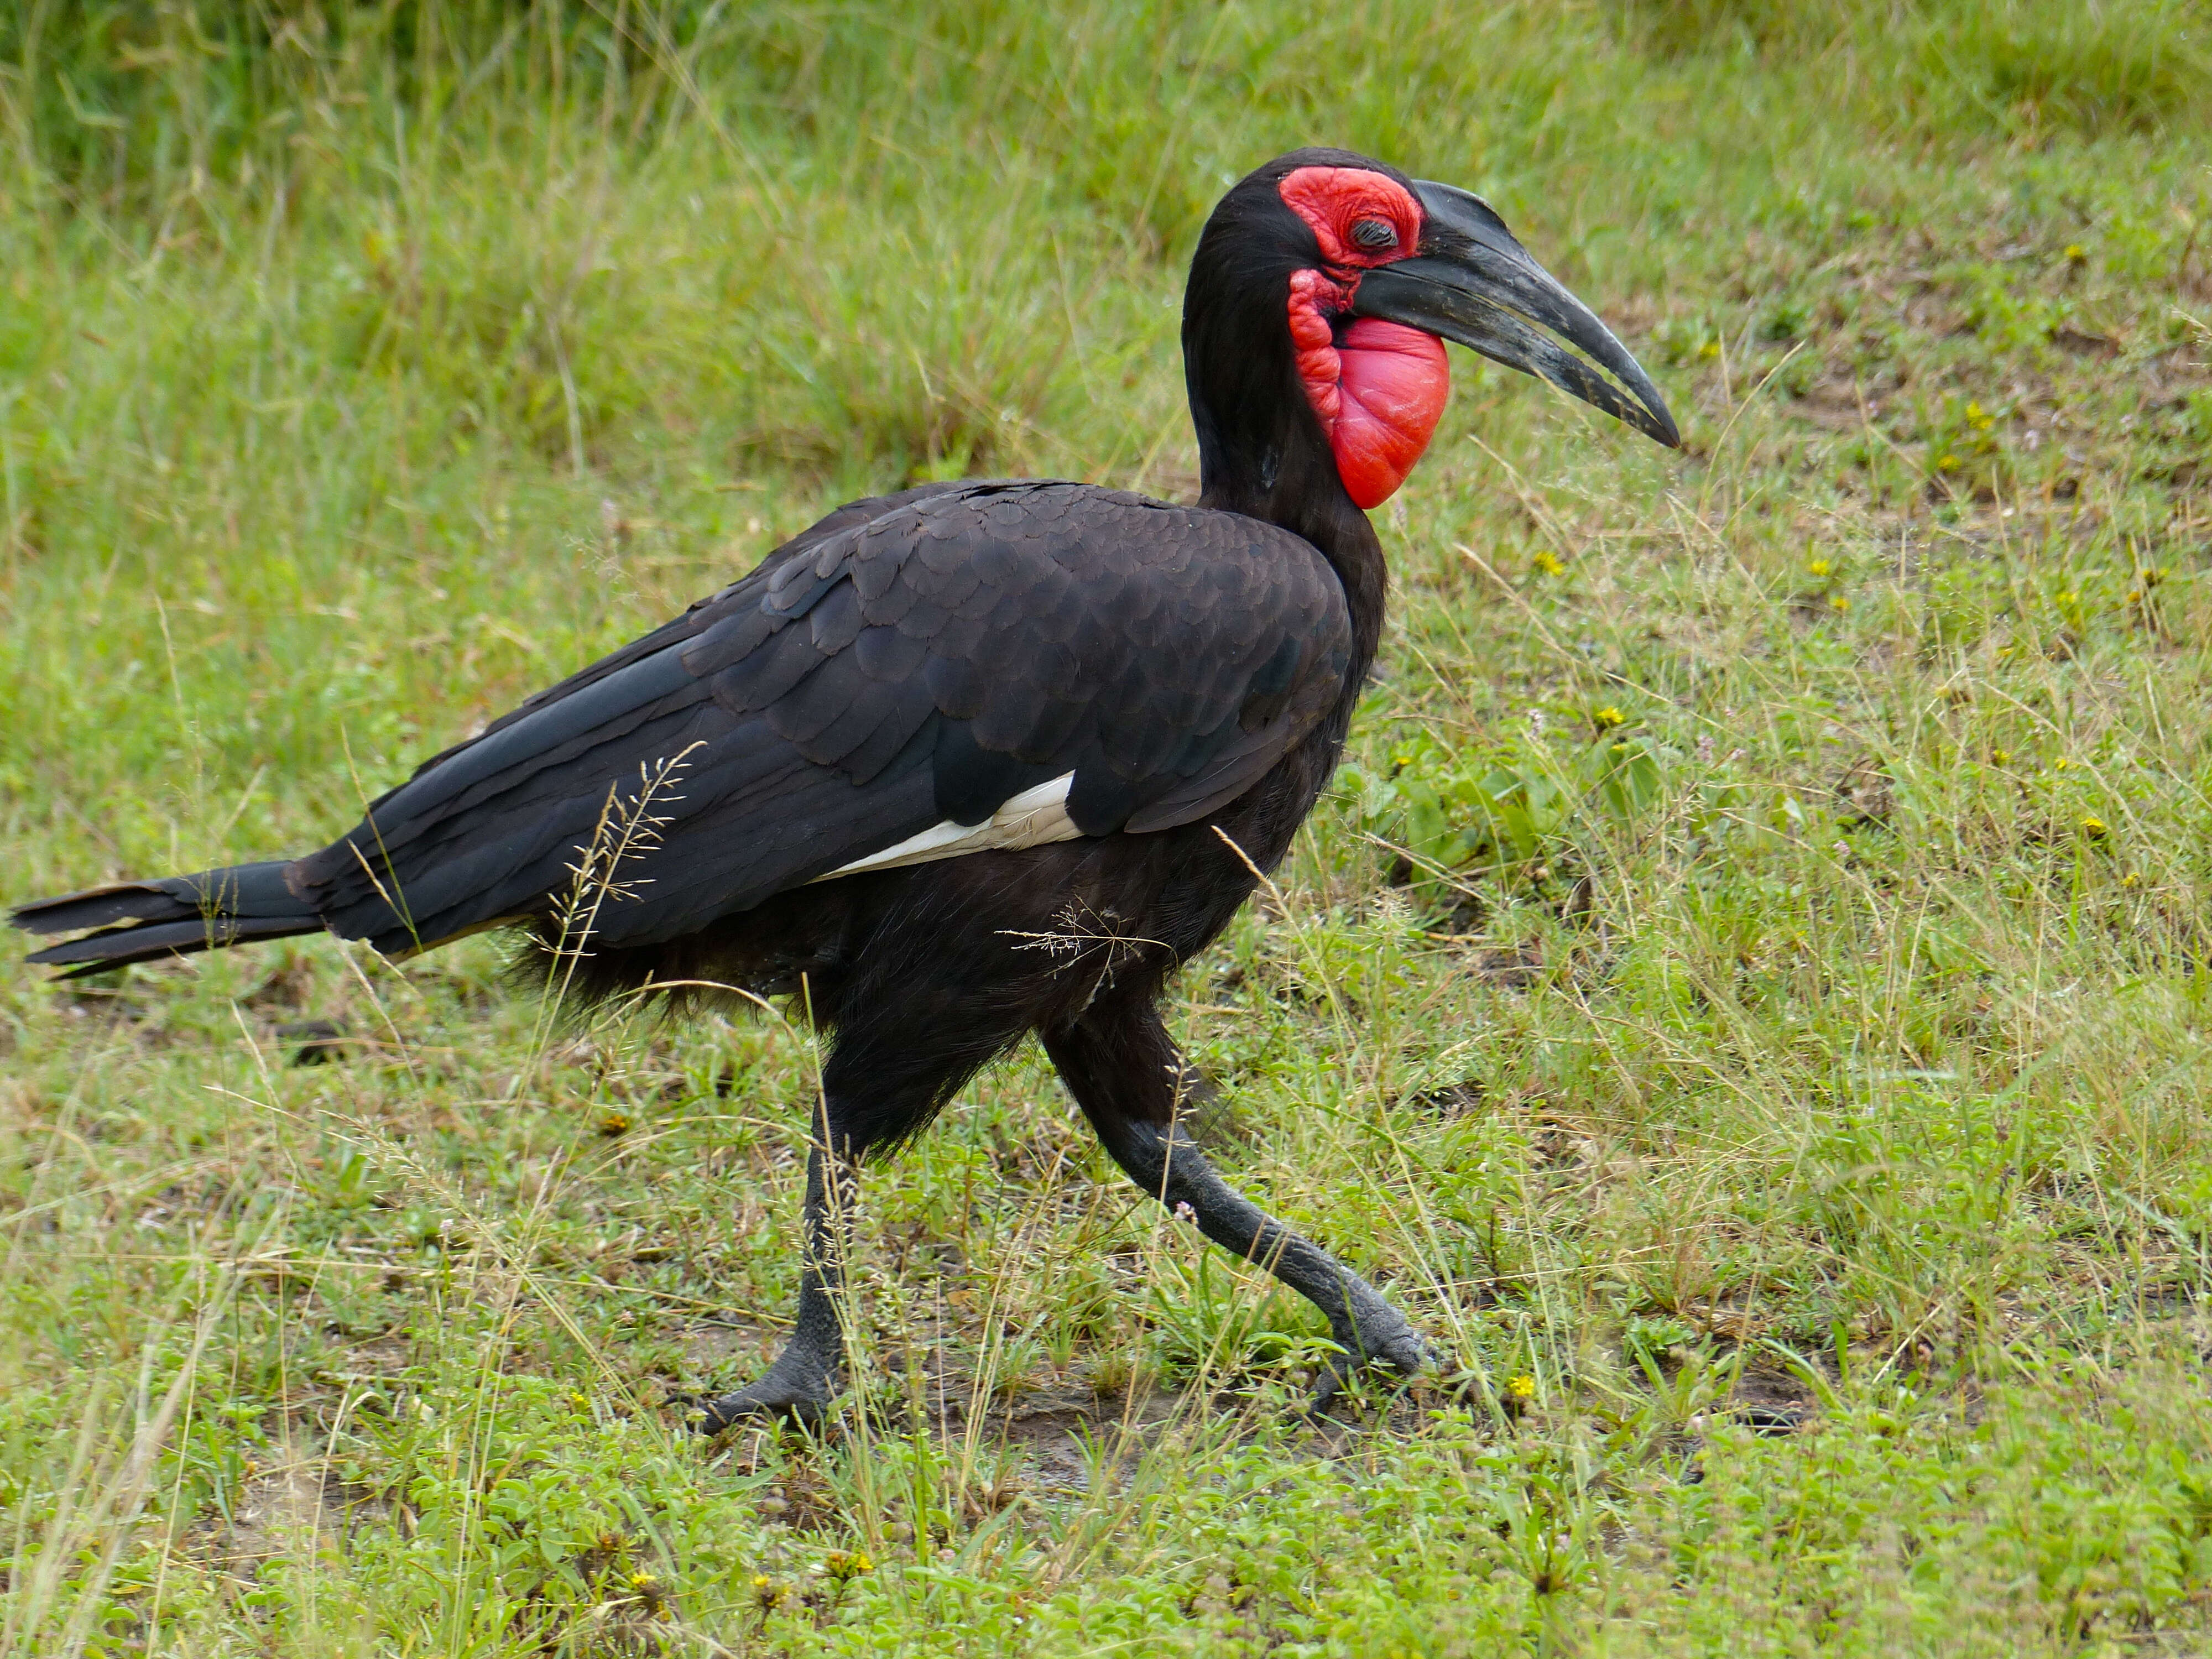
[[1746, 997]]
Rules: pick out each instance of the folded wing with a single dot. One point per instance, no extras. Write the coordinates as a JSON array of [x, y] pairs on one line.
[[912, 663]]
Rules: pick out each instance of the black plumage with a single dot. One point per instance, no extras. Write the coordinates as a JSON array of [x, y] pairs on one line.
[[913, 661]]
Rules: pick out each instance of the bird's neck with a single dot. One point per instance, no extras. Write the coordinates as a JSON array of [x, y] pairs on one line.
[[1286, 476]]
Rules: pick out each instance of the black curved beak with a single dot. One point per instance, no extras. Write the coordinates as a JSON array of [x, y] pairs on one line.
[[1472, 282]]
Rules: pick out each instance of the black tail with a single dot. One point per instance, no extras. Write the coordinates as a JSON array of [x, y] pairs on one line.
[[139, 920]]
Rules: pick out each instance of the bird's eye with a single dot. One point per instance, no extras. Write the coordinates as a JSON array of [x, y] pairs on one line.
[[1373, 235]]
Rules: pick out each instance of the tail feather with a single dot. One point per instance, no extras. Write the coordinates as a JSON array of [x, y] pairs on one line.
[[139, 920]]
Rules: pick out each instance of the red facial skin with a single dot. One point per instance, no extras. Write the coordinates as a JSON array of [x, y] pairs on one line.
[[1379, 388]]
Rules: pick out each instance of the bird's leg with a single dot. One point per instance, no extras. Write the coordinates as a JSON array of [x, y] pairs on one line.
[[802, 1379], [1126, 1073], [1167, 1164]]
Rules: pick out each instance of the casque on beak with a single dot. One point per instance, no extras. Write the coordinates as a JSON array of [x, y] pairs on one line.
[[1473, 283]]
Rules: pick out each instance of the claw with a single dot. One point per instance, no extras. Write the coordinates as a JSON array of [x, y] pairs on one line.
[[1402, 1349], [769, 1398]]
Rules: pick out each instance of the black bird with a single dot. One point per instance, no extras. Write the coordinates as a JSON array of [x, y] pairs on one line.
[[982, 758]]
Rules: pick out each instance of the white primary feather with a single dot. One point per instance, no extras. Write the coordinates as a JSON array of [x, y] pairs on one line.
[[1029, 819]]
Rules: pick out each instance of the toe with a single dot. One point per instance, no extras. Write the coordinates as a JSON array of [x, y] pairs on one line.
[[756, 1402], [1327, 1387], [1410, 1354]]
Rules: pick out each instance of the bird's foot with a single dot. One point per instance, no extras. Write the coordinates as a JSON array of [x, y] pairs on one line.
[[1382, 1336], [790, 1396]]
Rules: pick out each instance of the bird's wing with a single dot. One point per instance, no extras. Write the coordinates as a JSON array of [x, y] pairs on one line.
[[808, 540], [1101, 661]]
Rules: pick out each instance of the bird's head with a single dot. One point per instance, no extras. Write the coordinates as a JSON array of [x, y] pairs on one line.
[[1353, 276]]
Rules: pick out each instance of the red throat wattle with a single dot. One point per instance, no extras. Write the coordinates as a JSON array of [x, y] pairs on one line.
[[1378, 387]]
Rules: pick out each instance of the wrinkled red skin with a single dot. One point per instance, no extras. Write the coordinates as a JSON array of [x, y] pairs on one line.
[[1378, 387]]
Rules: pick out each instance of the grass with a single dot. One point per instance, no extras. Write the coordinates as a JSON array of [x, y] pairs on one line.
[[1746, 997]]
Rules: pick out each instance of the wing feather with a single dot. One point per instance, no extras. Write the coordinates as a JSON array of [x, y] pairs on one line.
[[918, 660]]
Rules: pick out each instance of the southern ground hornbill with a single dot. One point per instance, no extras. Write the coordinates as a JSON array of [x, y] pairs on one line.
[[978, 759]]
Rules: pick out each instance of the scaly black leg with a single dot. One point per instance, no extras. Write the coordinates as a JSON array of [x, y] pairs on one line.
[[1126, 1073], [895, 1060], [801, 1382]]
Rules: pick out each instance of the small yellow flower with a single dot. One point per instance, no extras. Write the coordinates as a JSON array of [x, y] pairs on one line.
[[1947, 462], [2000, 756], [2093, 829], [2075, 253], [847, 1564], [2131, 880], [642, 1581], [2061, 764], [2153, 577], [1841, 602], [1522, 1388], [1608, 717], [1549, 564], [1819, 568], [614, 1123], [767, 1593], [1710, 349]]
